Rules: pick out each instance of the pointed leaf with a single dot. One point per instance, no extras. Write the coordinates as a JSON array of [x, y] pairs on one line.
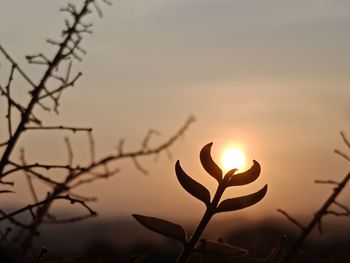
[[208, 163], [162, 226], [222, 249], [246, 177], [241, 202], [192, 186]]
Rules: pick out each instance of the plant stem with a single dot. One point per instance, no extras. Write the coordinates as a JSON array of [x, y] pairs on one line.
[[209, 212]]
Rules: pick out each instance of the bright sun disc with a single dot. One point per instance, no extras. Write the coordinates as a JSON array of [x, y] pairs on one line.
[[233, 158]]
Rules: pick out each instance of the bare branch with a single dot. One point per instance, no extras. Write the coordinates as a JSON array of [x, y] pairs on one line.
[[4, 235], [291, 219], [29, 179], [18, 223], [134, 154], [346, 141], [326, 182], [345, 208], [70, 151], [60, 197], [9, 104], [335, 213], [72, 129], [38, 175], [92, 146], [42, 166], [6, 191], [344, 155], [69, 220], [13, 62]]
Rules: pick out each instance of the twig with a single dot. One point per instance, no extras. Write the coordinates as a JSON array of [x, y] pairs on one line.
[[344, 155], [72, 129], [9, 106], [69, 220], [316, 219], [4, 235], [25, 76], [291, 219], [326, 182], [18, 223], [346, 141], [30, 207], [29, 179], [92, 146], [132, 154], [43, 166], [70, 151]]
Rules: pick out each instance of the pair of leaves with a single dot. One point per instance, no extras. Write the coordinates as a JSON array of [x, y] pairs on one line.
[[162, 227], [241, 202], [214, 170], [221, 249]]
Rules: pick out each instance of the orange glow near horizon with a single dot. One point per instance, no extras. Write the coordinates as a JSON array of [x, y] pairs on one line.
[[233, 157]]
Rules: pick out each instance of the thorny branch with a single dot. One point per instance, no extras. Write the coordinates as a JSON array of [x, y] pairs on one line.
[[325, 208], [45, 201], [68, 49]]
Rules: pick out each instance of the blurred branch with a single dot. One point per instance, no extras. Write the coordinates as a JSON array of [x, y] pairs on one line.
[[67, 47], [291, 219], [30, 207], [317, 218], [18, 223], [344, 155], [326, 182], [72, 129], [133, 154], [4, 235], [347, 143], [29, 179]]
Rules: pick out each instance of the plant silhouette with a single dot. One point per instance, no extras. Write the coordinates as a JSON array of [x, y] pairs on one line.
[[213, 206]]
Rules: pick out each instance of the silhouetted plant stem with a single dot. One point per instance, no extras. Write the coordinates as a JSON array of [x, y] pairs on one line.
[[200, 192], [209, 212], [316, 219]]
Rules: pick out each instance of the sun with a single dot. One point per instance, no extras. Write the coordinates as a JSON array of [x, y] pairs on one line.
[[233, 158]]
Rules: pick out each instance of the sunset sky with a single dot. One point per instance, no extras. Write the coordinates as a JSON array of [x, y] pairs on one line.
[[269, 76]]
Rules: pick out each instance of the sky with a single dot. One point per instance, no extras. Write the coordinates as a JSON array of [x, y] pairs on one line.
[[271, 76]]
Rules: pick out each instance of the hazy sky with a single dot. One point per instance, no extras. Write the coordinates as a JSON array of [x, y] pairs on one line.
[[271, 76]]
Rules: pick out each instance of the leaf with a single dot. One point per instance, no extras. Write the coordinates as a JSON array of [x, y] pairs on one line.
[[222, 249], [6, 191], [246, 177], [241, 202], [208, 164], [162, 226], [191, 186]]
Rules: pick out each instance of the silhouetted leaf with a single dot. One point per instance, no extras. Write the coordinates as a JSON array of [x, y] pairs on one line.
[[241, 202], [208, 164], [162, 226], [192, 186], [222, 249], [246, 177], [6, 191]]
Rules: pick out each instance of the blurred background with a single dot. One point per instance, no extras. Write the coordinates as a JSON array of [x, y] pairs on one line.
[[271, 77]]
